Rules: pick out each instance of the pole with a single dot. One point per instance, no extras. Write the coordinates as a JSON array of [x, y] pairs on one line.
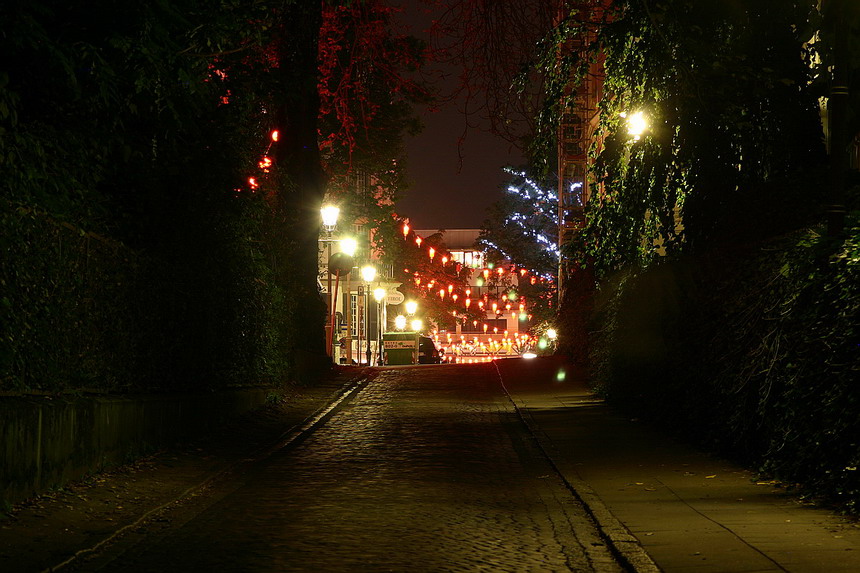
[[333, 298], [369, 354], [348, 320], [380, 306], [330, 332]]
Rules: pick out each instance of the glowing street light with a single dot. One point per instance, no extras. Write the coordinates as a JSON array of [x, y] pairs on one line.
[[348, 245], [330, 213], [368, 273], [417, 325], [411, 307], [636, 125], [400, 322]]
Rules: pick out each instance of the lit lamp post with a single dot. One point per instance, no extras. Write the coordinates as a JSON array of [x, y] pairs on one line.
[[341, 263], [379, 294], [368, 273], [329, 215], [411, 307], [636, 124], [348, 245], [400, 322]]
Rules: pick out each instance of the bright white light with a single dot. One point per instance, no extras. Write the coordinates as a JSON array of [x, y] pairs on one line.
[[411, 307], [368, 273], [529, 355], [379, 294], [417, 325], [348, 245], [400, 322], [636, 124], [330, 214], [551, 333]]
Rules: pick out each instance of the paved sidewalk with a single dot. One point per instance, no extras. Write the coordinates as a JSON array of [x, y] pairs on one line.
[[689, 511]]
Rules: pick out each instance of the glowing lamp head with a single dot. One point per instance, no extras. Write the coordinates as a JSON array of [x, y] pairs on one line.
[[411, 307], [405, 229], [368, 273], [551, 334], [400, 322], [348, 245], [418, 241], [432, 253], [417, 325], [329, 214], [636, 125], [379, 294]]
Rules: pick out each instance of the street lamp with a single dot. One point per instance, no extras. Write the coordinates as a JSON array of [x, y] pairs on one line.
[[368, 273], [379, 294], [349, 246], [329, 214], [636, 124], [417, 325], [411, 307], [400, 322]]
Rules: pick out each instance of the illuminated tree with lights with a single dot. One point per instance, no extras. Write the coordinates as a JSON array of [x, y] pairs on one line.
[[522, 230]]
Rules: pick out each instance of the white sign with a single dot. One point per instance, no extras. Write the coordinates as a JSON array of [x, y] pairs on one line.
[[395, 297]]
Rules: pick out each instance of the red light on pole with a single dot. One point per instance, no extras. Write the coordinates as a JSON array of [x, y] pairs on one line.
[[468, 302], [432, 253], [418, 241], [405, 229], [275, 135]]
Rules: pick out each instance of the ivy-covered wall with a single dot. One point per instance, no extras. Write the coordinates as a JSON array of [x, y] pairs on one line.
[[83, 313], [752, 351]]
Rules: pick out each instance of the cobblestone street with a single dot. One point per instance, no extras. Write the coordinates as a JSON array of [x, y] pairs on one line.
[[427, 468]]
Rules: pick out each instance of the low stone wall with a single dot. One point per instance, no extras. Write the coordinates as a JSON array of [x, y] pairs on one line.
[[46, 442]]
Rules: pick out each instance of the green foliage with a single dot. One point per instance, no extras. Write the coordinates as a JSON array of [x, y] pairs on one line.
[[139, 125], [734, 147], [751, 351]]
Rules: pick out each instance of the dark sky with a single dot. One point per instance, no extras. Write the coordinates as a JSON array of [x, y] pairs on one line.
[[444, 193]]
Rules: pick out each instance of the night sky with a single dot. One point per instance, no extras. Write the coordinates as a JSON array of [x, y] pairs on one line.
[[445, 193]]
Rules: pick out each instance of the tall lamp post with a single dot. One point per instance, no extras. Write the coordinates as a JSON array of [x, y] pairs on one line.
[[341, 263], [329, 215], [349, 246], [379, 294], [368, 273]]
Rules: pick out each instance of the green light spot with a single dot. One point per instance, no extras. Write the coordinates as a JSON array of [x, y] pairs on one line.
[[560, 376]]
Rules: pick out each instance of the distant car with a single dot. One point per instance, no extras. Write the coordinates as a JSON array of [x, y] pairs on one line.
[[427, 351]]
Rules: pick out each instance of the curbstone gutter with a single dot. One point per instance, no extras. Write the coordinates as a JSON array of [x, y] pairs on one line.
[[621, 542]]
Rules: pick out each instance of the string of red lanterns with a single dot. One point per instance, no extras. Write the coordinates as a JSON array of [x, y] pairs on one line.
[[499, 307]]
